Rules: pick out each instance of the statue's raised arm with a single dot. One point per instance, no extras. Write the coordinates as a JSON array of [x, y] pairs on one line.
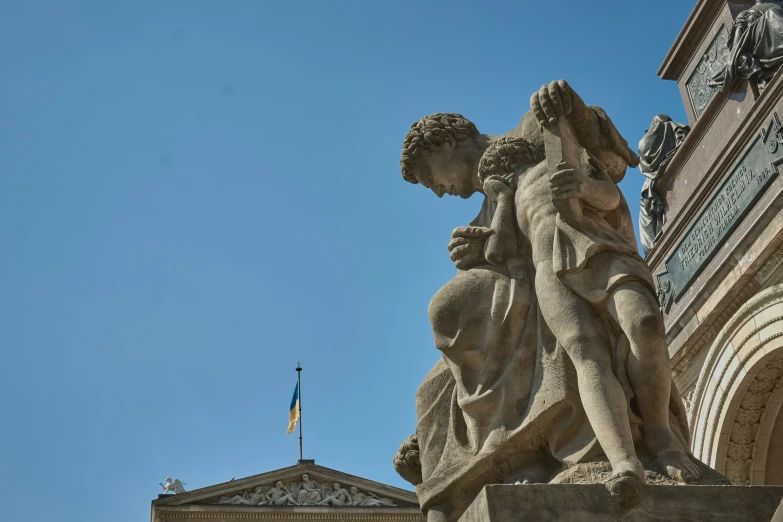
[[593, 128]]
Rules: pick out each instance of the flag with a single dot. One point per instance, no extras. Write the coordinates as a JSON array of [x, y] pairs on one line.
[[293, 415]]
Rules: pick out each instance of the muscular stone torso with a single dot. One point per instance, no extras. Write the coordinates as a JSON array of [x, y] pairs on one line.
[[536, 213]]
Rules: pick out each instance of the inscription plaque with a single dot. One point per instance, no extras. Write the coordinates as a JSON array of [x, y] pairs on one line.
[[713, 61], [753, 174]]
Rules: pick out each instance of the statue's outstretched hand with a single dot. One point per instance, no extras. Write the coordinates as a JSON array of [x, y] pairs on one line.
[[552, 102], [466, 247]]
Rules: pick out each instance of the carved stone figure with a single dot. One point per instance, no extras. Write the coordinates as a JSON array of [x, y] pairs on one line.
[[552, 319], [368, 500], [756, 44], [656, 149], [172, 485], [338, 497], [309, 492], [279, 495], [255, 498]]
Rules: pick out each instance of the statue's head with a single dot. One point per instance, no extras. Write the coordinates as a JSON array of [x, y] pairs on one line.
[[306, 477], [508, 154], [441, 151], [354, 490], [336, 486], [279, 484]]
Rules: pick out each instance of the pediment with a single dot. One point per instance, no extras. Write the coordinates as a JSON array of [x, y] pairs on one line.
[[289, 487]]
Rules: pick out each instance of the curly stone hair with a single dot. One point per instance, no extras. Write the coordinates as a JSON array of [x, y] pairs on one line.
[[506, 155], [428, 134], [407, 461]]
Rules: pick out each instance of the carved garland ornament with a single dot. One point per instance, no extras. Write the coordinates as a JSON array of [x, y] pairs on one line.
[[306, 492], [742, 444]]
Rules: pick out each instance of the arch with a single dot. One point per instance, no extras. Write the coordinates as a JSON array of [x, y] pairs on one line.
[[737, 398]]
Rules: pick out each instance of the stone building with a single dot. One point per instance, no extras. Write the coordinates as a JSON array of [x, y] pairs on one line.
[[719, 258], [302, 493]]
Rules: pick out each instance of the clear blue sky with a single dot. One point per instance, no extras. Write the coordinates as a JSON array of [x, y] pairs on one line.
[[195, 195]]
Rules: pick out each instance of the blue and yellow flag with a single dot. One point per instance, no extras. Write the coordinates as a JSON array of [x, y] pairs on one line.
[[293, 415]]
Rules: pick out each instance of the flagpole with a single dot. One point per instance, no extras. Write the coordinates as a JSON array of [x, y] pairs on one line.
[[299, 380]]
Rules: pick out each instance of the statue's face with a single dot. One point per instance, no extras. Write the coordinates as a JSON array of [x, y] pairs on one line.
[[279, 485], [447, 171], [354, 491], [336, 485]]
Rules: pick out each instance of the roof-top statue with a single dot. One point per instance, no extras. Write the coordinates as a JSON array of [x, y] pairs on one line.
[[172, 485]]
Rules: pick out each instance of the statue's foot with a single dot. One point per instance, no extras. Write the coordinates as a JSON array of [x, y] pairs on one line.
[[672, 459], [678, 466], [534, 469], [627, 485]]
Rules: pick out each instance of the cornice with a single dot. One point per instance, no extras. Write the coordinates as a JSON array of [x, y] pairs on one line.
[[697, 26]]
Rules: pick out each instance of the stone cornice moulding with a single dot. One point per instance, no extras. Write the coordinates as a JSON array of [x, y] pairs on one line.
[[293, 514]]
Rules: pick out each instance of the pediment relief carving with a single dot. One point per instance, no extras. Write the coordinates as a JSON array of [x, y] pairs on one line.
[[310, 486], [305, 492]]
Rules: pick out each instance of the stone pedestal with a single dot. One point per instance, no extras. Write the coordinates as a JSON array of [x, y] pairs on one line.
[[593, 503]]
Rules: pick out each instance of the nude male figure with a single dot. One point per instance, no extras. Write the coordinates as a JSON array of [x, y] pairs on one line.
[[574, 316]]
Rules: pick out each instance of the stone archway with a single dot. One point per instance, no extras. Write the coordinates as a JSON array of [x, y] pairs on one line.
[[735, 405]]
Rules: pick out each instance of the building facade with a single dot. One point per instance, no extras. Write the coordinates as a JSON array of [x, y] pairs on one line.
[[302, 493], [719, 259]]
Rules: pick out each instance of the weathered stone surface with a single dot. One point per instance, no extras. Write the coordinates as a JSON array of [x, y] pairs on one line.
[[600, 472], [593, 503]]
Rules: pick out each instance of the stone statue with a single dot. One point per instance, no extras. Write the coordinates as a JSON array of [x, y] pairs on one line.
[[338, 497], [172, 485], [309, 492], [279, 495], [756, 43], [553, 346], [656, 149]]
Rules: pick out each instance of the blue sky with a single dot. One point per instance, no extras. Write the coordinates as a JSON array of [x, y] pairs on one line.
[[196, 195]]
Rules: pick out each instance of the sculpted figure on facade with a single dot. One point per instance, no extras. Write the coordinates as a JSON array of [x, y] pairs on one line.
[[305, 493], [255, 498], [338, 497], [553, 345], [309, 493], [756, 44], [368, 500], [656, 149], [280, 495]]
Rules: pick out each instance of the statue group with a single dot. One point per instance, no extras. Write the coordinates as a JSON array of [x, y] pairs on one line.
[[554, 363]]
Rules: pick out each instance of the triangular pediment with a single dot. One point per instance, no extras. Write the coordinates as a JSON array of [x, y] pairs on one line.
[[290, 487]]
